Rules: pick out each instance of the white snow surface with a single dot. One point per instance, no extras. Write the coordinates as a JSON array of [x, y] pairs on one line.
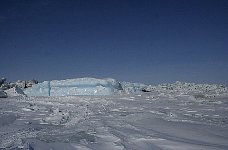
[[157, 121], [104, 114]]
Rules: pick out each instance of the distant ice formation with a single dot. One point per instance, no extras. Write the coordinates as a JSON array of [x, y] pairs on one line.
[[109, 86], [20, 83], [79, 86]]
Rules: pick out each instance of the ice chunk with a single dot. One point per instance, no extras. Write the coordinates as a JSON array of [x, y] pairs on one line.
[[21, 84], [130, 87], [3, 94], [30, 83], [15, 91], [79, 86]]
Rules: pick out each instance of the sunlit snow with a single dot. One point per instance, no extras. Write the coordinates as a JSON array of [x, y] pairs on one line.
[[131, 116]]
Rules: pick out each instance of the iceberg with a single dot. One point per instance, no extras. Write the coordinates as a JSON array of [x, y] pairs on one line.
[[78, 86]]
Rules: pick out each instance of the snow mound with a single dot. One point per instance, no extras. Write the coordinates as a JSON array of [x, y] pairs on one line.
[[78, 86]]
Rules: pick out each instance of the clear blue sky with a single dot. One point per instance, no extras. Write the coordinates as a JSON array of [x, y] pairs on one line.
[[149, 41]]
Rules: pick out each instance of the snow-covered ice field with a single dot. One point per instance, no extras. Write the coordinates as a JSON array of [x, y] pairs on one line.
[[114, 122]]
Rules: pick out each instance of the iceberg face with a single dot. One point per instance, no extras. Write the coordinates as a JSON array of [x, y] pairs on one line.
[[79, 86]]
